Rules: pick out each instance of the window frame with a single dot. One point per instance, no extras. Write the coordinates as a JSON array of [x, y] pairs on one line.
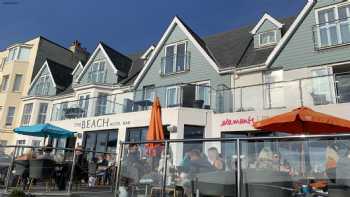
[[26, 114], [174, 67], [198, 85], [269, 43], [9, 123], [42, 114], [17, 87], [96, 72], [176, 95], [42, 87], [337, 22], [4, 86], [147, 90]]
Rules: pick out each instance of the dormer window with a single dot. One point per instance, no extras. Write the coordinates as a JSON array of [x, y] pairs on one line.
[[97, 72], [43, 86], [176, 58], [267, 38]]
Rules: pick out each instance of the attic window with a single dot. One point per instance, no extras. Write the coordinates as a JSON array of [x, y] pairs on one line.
[[267, 38]]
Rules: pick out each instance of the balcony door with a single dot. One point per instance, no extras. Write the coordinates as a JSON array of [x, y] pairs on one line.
[[100, 141], [342, 82]]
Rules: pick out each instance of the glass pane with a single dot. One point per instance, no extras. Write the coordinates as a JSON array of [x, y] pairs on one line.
[[180, 57], [169, 59], [343, 87], [16, 86], [24, 54], [333, 35], [342, 12], [323, 37], [112, 142], [345, 32], [322, 16], [101, 142], [171, 96]]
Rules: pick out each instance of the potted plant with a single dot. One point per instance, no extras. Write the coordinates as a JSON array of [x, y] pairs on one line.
[[17, 193]]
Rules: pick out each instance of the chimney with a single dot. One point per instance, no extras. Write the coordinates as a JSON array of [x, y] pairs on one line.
[[79, 53]]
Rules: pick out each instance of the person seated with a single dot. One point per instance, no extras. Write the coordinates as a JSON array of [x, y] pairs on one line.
[[81, 165], [28, 155], [215, 159], [102, 166], [265, 158], [47, 153], [198, 163]]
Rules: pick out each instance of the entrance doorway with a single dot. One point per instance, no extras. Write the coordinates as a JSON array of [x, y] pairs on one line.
[[100, 141]]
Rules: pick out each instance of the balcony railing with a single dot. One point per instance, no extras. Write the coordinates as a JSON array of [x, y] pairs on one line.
[[175, 64], [184, 95], [322, 90], [331, 34]]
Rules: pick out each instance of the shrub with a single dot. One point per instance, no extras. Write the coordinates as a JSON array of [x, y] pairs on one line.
[[17, 193]]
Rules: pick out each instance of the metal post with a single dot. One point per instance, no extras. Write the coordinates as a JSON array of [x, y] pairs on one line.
[[165, 168], [120, 158], [70, 183], [238, 168], [301, 94], [9, 170]]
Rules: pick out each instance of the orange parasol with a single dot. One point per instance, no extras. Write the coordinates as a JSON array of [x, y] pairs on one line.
[[304, 120], [155, 130]]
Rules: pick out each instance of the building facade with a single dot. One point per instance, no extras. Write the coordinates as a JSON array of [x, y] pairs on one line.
[[214, 86], [20, 62]]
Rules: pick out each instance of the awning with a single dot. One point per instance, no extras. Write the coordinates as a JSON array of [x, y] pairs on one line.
[[44, 130]]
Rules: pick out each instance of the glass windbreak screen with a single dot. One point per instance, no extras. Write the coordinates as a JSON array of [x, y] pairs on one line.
[[295, 167]]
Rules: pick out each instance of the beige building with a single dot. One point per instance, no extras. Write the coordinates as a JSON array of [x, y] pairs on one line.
[[19, 63]]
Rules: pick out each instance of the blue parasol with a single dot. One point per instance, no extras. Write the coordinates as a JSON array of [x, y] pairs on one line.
[[44, 130]]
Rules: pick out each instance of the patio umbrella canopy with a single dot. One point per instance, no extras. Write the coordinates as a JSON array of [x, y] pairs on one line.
[[303, 120], [155, 130], [44, 130]]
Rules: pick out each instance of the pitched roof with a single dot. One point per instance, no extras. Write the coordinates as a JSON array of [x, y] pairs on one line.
[[254, 56], [120, 61], [236, 47], [61, 74]]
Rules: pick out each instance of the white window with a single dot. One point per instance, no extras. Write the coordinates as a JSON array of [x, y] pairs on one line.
[[23, 54], [203, 92], [18, 53], [10, 115], [333, 25], [42, 113], [84, 104], [17, 83], [149, 93], [101, 105], [12, 54], [172, 96], [267, 38], [273, 89], [97, 72], [4, 82], [43, 85], [27, 112], [175, 59]]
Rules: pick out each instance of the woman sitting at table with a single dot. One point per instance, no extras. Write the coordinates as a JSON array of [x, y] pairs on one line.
[[215, 159]]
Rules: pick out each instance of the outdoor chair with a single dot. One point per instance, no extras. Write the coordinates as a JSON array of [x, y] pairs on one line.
[[198, 104], [42, 169], [21, 171]]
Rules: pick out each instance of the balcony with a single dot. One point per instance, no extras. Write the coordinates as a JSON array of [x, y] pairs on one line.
[[176, 63], [331, 34], [177, 95], [322, 90]]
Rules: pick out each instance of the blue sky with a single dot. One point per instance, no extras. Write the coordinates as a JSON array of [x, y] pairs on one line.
[[128, 25]]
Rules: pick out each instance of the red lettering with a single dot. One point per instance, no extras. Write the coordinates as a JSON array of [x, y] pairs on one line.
[[239, 121]]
